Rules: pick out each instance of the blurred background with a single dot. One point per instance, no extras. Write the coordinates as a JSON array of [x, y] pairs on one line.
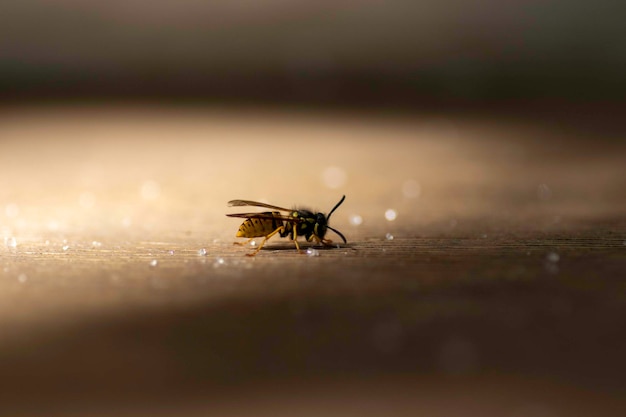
[[371, 53], [480, 145]]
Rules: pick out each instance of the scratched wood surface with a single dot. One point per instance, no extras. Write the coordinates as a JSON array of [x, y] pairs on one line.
[[483, 275]]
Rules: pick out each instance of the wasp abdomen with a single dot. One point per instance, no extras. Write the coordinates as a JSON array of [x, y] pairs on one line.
[[256, 227]]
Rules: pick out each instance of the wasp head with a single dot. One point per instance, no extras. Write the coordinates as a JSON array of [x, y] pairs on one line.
[[321, 224]]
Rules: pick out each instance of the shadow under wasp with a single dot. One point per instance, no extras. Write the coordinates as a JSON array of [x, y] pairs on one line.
[[290, 223]]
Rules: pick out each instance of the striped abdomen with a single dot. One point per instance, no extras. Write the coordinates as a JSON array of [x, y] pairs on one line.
[[260, 227]]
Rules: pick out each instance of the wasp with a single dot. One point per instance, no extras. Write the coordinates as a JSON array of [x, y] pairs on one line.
[[290, 223]]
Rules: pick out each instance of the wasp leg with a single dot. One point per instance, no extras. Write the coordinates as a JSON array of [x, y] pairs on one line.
[[295, 237], [280, 229], [244, 243], [325, 242]]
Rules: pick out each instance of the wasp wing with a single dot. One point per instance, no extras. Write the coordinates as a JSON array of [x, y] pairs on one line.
[[234, 203], [267, 216]]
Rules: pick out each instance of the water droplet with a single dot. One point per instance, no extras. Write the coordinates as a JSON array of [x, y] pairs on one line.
[[334, 177], [11, 242], [12, 210], [170, 252], [552, 262], [356, 220], [312, 252], [544, 192], [65, 247], [202, 252], [22, 278], [391, 215], [389, 236], [154, 263], [411, 189], [96, 244], [553, 257], [150, 190], [253, 243], [219, 262]]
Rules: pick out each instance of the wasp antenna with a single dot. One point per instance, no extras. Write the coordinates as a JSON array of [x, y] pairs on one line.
[[335, 208], [339, 233]]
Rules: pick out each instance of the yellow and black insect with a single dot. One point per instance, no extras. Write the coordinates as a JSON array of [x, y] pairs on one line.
[[292, 223]]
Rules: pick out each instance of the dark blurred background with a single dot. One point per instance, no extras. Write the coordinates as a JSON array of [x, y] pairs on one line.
[[371, 53]]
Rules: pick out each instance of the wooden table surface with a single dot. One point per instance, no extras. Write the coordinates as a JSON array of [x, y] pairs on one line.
[[483, 275]]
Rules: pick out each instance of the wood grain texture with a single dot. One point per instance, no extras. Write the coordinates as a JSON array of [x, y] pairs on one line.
[[501, 281]]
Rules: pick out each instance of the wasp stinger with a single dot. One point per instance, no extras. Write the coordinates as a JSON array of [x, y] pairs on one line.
[[290, 223]]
